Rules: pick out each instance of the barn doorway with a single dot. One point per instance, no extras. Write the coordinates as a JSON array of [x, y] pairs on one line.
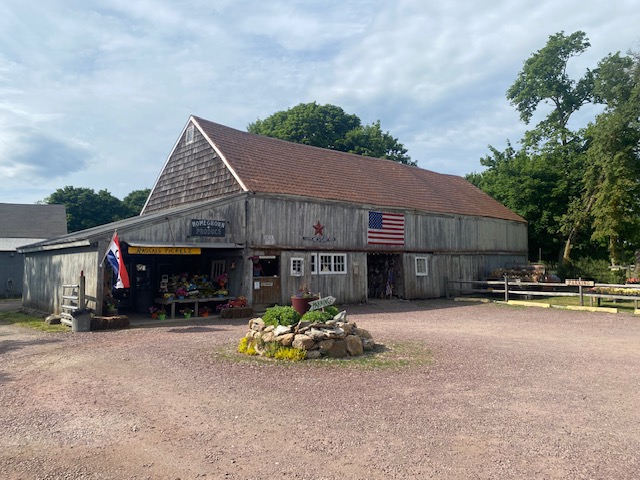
[[385, 276]]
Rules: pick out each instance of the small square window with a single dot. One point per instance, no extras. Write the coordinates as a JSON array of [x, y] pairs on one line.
[[297, 267], [422, 266]]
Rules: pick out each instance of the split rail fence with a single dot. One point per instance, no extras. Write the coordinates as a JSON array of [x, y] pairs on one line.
[[515, 288]]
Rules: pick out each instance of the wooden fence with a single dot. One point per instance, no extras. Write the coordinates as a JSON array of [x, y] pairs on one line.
[[571, 288]]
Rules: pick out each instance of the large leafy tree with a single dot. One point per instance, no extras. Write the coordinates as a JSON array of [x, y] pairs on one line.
[[328, 126], [87, 208], [135, 201], [545, 175], [612, 180]]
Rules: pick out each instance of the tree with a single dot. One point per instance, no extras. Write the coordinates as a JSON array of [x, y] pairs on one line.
[[86, 208], [328, 126], [612, 180], [544, 78], [134, 202]]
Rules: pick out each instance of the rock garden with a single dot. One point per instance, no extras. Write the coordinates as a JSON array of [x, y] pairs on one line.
[[282, 333]]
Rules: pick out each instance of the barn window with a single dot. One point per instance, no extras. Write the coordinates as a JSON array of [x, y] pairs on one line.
[[297, 267], [189, 135], [422, 266], [328, 263]]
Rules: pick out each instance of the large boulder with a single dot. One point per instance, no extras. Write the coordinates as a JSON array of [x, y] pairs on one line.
[[354, 345]]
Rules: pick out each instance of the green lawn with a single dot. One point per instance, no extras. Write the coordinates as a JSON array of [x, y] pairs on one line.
[[30, 321]]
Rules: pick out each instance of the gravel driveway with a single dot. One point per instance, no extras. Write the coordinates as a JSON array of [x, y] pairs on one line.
[[509, 393]]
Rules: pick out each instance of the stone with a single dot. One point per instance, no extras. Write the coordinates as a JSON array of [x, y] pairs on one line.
[[361, 332], [313, 354], [335, 332], [270, 328], [281, 330], [256, 324], [368, 343], [316, 334], [346, 327], [268, 337], [303, 341], [285, 340], [341, 317], [52, 319], [354, 345], [338, 349], [325, 345]]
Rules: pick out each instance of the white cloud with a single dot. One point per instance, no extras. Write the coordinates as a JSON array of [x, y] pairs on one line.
[[107, 85]]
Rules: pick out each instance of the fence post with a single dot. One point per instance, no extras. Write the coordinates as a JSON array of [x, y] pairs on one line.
[[81, 286], [506, 288], [580, 292]]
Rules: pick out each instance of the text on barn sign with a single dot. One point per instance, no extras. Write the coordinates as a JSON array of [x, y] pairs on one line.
[[321, 303], [207, 228]]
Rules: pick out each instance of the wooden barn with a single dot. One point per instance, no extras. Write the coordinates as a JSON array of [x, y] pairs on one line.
[[275, 217]]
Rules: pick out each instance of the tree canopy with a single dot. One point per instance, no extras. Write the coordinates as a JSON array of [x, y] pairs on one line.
[[86, 208], [579, 189], [328, 126]]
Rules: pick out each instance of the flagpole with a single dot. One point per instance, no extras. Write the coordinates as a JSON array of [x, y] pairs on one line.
[[106, 252]]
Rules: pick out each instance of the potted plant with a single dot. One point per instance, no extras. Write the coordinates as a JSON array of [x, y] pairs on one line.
[[204, 311], [302, 298], [187, 312], [221, 293], [153, 310], [181, 292], [222, 280], [162, 314], [111, 307]]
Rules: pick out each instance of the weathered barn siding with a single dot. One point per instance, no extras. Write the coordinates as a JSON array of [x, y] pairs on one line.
[[288, 220], [11, 267], [46, 272], [347, 288], [193, 173], [177, 228], [458, 247]]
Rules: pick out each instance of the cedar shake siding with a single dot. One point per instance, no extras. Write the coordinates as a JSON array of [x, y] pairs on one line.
[[193, 173]]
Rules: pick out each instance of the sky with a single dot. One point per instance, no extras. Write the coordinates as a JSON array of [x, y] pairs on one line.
[[94, 94]]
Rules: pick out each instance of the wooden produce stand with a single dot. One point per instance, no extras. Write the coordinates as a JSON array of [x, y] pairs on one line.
[[172, 302]]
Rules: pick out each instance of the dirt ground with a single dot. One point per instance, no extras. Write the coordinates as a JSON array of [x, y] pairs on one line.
[[509, 393]]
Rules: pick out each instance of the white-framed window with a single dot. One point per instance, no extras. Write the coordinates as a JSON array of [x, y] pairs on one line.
[[422, 266], [297, 267], [328, 263], [189, 134]]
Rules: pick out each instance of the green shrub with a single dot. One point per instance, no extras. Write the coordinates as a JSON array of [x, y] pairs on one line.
[[280, 316], [332, 310], [591, 269], [316, 316]]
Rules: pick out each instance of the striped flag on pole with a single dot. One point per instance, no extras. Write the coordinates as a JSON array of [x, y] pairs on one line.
[[385, 228], [114, 257]]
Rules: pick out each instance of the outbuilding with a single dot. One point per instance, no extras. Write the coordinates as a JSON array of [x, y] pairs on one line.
[[22, 224], [275, 217]]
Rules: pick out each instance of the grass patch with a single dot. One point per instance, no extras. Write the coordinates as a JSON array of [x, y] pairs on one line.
[[382, 357], [21, 319], [623, 305]]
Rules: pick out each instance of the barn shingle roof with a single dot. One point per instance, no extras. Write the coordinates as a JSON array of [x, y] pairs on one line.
[[268, 165], [32, 221]]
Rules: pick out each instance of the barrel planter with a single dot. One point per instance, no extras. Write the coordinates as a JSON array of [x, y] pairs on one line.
[[301, 304]]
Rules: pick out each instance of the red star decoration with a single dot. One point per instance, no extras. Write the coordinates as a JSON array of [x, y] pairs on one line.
[[319, 228]]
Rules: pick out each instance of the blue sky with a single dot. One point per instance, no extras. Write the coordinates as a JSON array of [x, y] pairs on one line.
[[95, 93]]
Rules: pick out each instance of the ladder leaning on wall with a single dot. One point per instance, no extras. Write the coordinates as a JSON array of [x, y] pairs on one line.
[[72, 300]]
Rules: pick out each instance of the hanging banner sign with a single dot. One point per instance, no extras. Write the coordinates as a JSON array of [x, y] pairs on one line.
[[208, 228], [164, 250]]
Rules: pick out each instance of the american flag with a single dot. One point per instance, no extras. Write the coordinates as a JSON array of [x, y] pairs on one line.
[[385, 228]]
